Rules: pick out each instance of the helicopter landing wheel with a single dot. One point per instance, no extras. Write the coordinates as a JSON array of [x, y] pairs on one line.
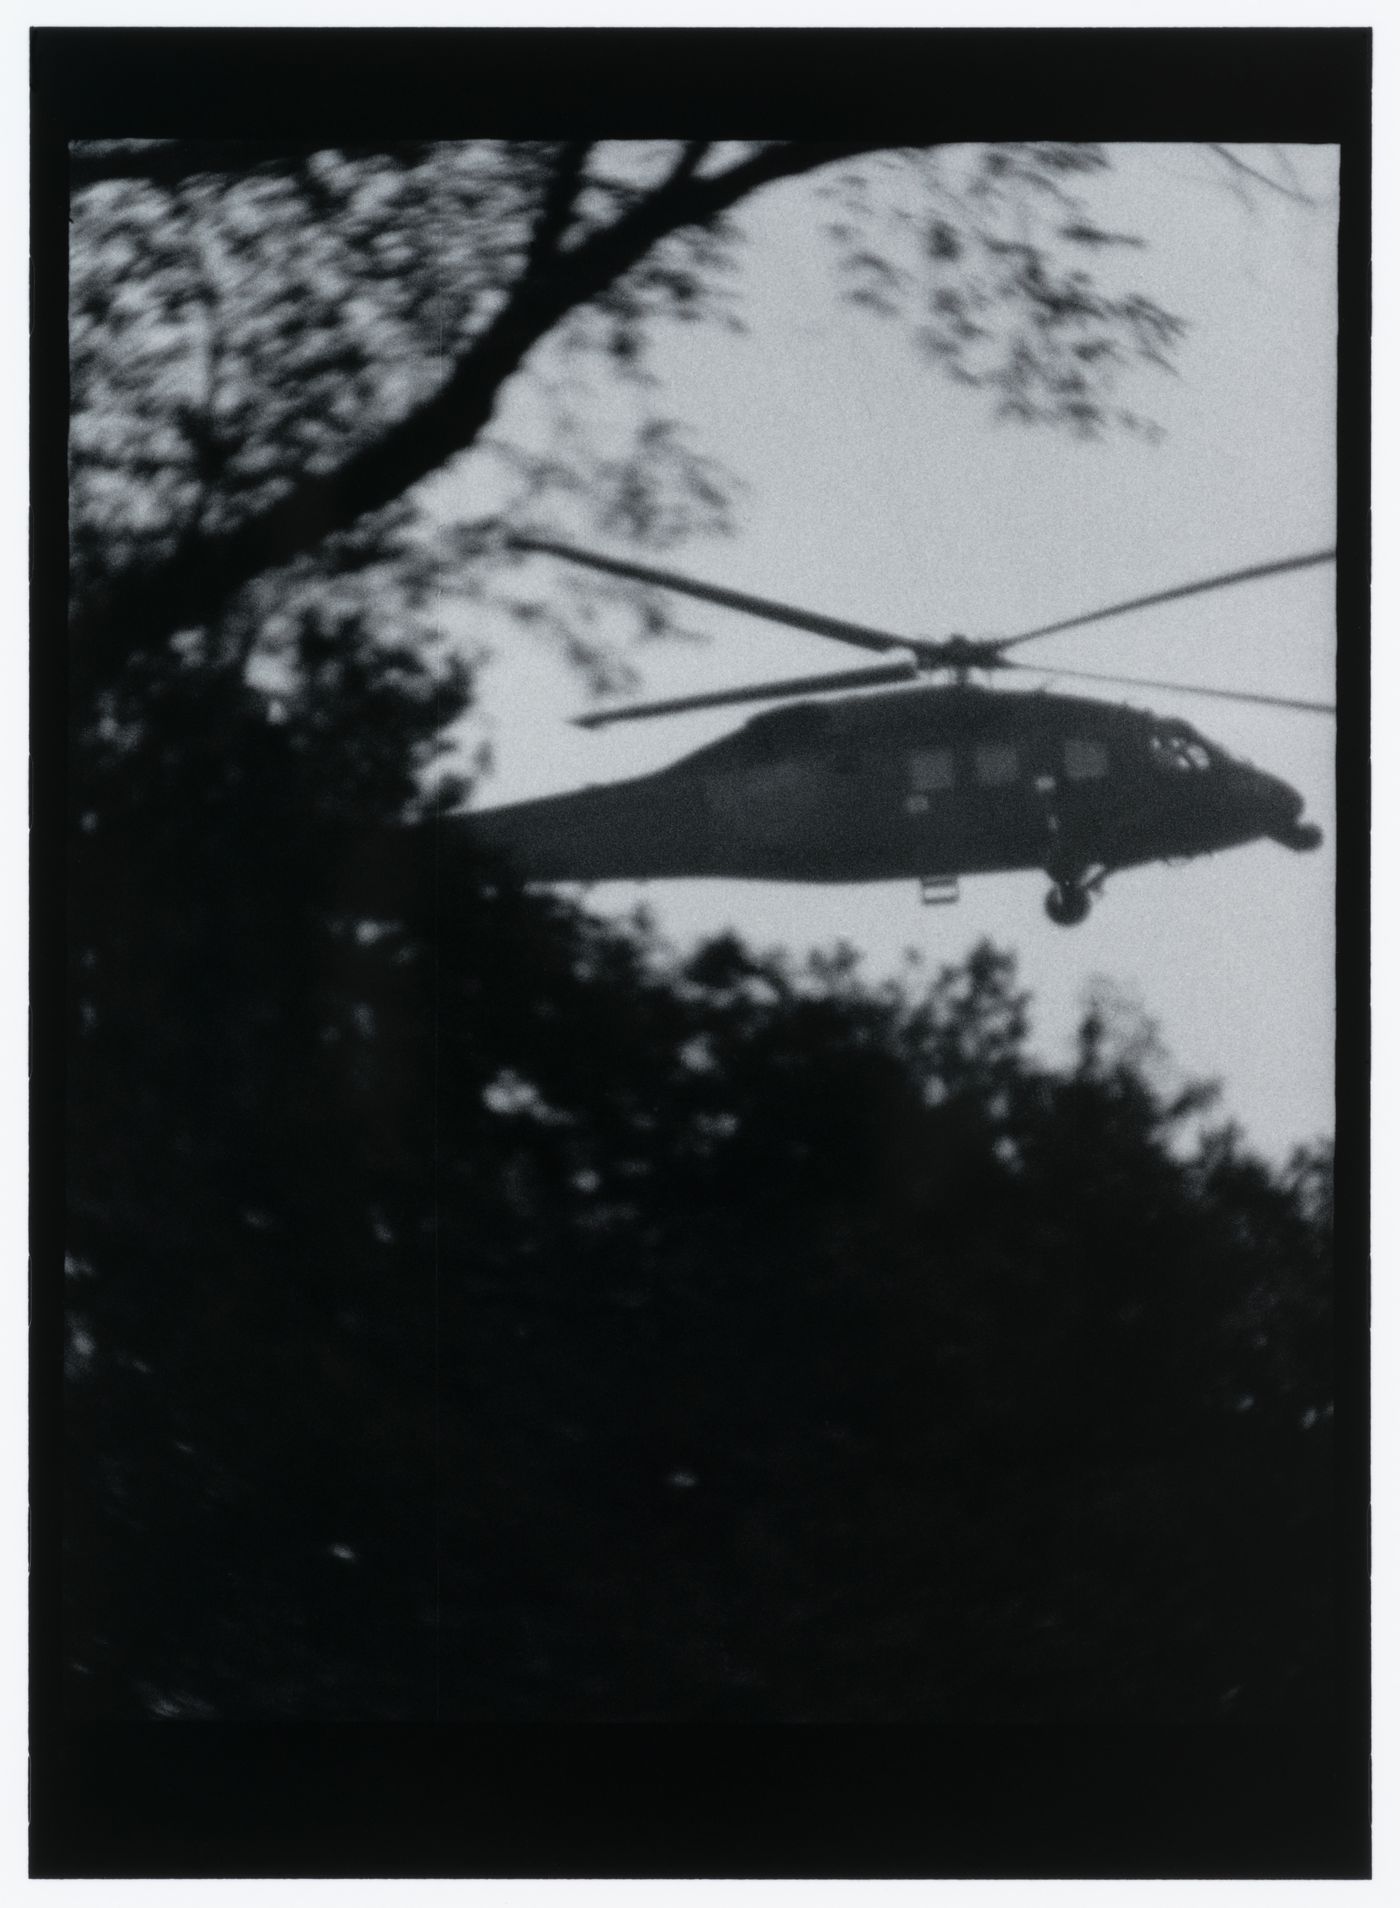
[[1067, 905]]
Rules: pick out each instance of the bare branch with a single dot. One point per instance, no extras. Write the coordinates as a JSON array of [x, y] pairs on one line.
[[782, 160], [1261, 178]]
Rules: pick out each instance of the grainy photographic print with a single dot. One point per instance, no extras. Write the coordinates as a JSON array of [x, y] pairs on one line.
[[699, 870]]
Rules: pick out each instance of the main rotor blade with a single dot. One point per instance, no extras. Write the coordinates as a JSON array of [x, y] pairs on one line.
[[842, 632], [756, 692], [1178, 688], [1223, 581]]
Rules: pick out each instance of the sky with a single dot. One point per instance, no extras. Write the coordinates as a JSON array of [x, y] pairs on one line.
[[875, 490]]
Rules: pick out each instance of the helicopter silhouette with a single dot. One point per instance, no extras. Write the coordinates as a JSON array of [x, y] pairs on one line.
[[932, 780]]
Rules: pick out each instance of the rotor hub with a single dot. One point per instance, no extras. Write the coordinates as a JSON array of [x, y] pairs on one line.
[[962, 654]]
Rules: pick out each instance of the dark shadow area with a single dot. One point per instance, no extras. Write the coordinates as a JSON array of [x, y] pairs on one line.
[[480, 1312]]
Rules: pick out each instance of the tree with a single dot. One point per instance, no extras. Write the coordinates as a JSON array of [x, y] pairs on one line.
[[477, 1307], [503, 1315], [271, 349]]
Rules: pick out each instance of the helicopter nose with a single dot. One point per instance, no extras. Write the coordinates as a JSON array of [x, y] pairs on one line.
[[1283, 810], [1302, 837]]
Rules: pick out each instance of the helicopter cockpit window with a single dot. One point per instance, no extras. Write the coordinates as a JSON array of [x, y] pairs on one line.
[[995, 764], [931, 769], [1085, 760], [1177, 752]]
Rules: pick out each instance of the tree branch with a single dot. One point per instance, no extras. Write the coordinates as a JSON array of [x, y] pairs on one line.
[[560, 198], [150, 603], [1261, 178], [688, 160]]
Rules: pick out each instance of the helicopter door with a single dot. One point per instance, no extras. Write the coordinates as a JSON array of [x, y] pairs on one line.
[[931, 809], [931, 773], [1085, 758], [970, 807], [1004, 814], [1074, 787]]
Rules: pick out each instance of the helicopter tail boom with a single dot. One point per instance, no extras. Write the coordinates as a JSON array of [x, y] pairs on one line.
[[623, 831]]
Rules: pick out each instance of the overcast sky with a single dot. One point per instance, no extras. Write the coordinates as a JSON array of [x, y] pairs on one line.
[[877, 491]]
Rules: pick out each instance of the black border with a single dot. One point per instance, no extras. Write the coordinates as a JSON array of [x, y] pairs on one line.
[[201, 1799], [768, 1803], [1244, 84]]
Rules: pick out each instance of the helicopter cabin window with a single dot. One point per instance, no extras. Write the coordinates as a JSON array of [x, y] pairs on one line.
[[995, 764], [1085, 761], [930, 770], [1176, 753]]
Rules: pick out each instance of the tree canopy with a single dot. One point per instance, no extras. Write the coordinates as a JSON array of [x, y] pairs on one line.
[[477, 1309], [273, 348]]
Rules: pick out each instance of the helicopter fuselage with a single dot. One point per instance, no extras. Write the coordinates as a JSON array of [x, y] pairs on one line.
[[925, 782]]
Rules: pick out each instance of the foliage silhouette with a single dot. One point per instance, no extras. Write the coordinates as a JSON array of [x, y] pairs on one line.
[[480, 1311], [270, 351], [483, 1311]]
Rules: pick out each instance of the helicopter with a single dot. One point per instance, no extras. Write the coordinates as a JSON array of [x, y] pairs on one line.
[[935, 777]]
